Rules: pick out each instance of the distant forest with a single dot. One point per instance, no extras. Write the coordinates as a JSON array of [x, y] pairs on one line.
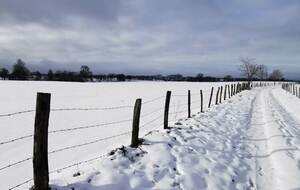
[[21, 72]]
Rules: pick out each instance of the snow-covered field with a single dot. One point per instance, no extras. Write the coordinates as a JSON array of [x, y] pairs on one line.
[[21, 96], [251, 141]]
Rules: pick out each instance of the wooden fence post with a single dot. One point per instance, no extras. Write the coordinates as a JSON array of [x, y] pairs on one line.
[[136, 123], [211, 94], [167, 105], [232, 90], [221, 92], [225, 92], [201, 99], [189, 104], [217, 95], [293, 89], [229, 92], [40, 146]]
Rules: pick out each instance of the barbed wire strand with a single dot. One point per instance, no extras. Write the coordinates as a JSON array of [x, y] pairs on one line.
[[152, 112], [88, 143], [16, 113], [149, 122], [16, 139], [89, 126], [91, 109], [60, 169], [153, 100], [78, 163], [15, 163], [179, 95], [21, 184]]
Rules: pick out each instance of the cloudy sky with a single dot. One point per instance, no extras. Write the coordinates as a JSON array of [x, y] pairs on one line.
[[151, 36]]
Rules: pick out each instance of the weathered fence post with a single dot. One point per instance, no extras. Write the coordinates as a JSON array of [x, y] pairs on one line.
[[201, 99], [294, 89], [211, 94], [229, 92], [225, 92], [40, 146], [189, 104], [221, 92], [136, 123], [167, 105], [217, 95], [234, 89]]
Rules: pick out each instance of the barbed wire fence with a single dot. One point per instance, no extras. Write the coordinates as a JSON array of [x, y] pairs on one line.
[[177, 108], [292, 88]]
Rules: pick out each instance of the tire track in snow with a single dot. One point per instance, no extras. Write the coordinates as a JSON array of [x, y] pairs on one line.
[[275, 150]]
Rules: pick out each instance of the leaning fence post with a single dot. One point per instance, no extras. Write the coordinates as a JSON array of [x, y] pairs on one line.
[[189, 104], [40, 146], [136, 123], [167, 105], [211, 94], [217, 95], [201, 99]]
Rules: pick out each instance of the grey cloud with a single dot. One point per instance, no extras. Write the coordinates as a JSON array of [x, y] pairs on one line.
[[54, 11], [151, 36]]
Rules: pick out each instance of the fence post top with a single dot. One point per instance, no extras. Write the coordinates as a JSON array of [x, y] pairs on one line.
[[43, 93]]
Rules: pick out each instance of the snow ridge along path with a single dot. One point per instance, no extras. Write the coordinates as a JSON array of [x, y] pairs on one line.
[[209, 151]]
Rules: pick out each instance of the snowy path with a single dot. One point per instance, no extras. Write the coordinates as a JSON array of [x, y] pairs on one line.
[[248, 142], [278, 144]]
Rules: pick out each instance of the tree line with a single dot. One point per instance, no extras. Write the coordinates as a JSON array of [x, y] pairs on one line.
[[249, 70]]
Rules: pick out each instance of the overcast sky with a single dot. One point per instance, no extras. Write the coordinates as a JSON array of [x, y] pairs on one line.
[[151, 36]]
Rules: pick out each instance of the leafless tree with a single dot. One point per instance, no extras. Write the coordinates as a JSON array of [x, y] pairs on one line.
[[276, 75], [248, 69], [262, 72]]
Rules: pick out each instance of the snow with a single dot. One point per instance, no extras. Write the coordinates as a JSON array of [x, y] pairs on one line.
[[248, 142]]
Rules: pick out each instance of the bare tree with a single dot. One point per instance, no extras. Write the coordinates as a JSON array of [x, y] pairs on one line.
[[276, 75], [262, 72], [248, 69]]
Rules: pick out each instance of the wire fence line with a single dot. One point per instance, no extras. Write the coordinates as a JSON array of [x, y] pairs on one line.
[[61, 169], [80, 128], [66, 148], [153, 100], [143, 125], [88, 143], [16, 113], [16, 139], [82, 109], [81, 162], [21, 184], [15, 163]]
